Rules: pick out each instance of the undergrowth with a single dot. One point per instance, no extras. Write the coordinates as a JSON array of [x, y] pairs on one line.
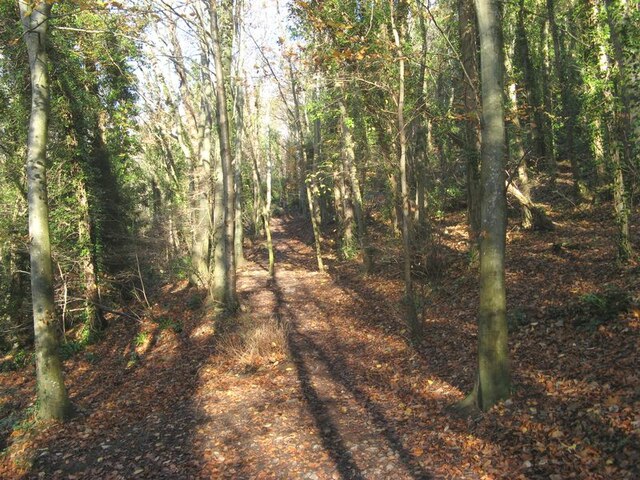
[[255, 344]]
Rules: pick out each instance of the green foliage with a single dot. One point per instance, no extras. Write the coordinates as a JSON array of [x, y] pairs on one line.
[[165, 323], [180, 267], [349, 250], [69, 349], [133, 360], [17, 360], [84, 338], [141, 338], [594, 309], [91, 357], [195, 301]]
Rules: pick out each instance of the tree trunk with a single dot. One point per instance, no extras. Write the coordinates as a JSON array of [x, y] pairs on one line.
[[310, 189], [471, 132], [217, 282], [201, 202], [620, 206], [239, 224], [350, 168], [347, 158], [530, 102], [539, 219], [412, 316], [195, 142], [567, 99], [419, 136], [547, 101], [267, 214], [620, 136], [53, 402], [230, 299], [519, 156], [92, 311], [239, 102], [493, 382]]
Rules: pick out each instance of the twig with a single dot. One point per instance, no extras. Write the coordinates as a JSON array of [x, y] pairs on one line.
[[109, 310], [144, 293], [64, 301]]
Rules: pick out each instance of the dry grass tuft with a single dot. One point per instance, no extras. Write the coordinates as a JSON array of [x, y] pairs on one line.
[[255, 343]]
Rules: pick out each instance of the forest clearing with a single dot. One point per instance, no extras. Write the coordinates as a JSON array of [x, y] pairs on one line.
[[323, 239]]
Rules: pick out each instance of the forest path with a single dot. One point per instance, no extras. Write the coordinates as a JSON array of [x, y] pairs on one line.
[[315, 379], [326, 414], [342, 397]]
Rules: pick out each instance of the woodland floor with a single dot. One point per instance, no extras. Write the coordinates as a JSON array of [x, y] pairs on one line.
[[332, 389]]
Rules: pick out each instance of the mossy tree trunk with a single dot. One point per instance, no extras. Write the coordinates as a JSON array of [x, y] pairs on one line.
[[471, 128], [53, 402], [621, 132], [493, 382], [351, 171], [229, 298], [409, 299]]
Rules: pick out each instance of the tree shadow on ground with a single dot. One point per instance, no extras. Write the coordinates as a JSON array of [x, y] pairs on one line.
[[448, 353], [302, 347]]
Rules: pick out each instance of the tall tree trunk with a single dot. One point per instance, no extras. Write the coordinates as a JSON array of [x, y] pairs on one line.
[[530, 101], [239, 102], [92, 311], [239, 224], [267, 212], [195, 142], [493, 383], [217, 282], [230, 299], [518, 155], [419, 135], [567, 99], [347, 237], [201, 205], [619, 132], [349, 162], [412, 316], [53, 402], [471, 132], [547, 101], [310, 189]]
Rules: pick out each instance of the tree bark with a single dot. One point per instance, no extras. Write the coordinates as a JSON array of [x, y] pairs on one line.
[[539, 218], [53, 401], [267, 212], [547, 101], [230, 299], [93, 314], [412, 316], [306, 188], [567, 99], [471, 127], [620, 136], [347, 157], [493, 383], [195, 142], [530, 102], [351, 170]]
